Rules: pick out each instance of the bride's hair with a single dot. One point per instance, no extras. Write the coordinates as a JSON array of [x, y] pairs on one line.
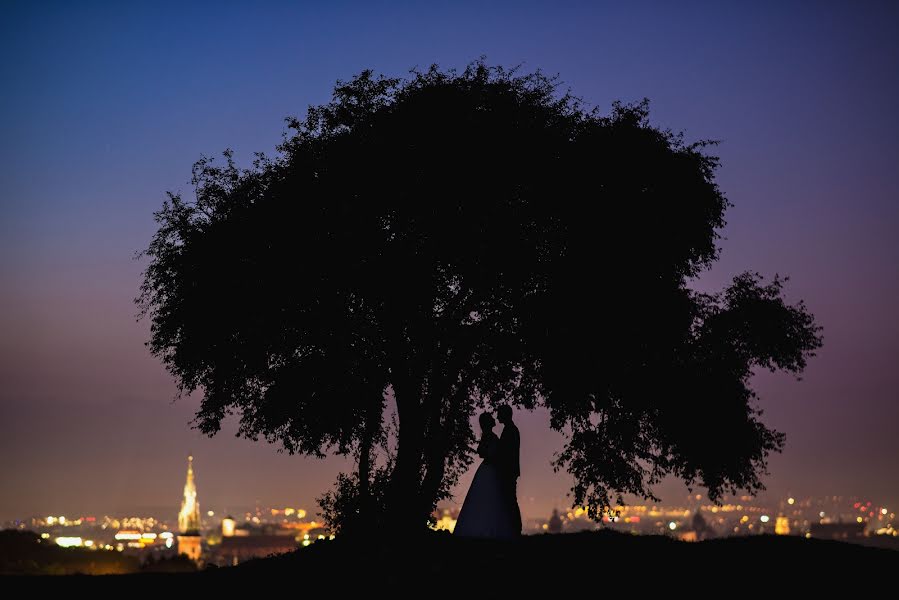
[[486, 421]]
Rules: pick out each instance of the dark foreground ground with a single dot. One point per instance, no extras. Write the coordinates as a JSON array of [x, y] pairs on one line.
[[597, 562]]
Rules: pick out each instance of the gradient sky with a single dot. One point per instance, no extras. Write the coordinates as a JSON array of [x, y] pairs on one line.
[[105, 106]]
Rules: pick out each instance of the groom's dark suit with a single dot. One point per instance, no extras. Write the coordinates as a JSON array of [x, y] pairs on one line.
[[510, 469]]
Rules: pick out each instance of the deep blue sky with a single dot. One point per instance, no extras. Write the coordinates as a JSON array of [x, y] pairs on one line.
[[105, 106]]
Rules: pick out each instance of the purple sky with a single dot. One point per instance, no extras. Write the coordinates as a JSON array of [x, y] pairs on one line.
[[105, 107]]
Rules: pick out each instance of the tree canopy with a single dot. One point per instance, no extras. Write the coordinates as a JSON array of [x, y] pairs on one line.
[[456, 240]]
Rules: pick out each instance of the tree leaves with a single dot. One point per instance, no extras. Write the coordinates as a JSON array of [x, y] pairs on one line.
[[459, 240]]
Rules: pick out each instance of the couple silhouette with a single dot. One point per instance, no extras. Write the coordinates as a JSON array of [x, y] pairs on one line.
[[491, 508]]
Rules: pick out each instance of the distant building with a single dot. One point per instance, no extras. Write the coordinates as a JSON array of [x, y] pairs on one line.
[[837, 531], [189, 516], [237, 549], [228, 526], [189, 540]]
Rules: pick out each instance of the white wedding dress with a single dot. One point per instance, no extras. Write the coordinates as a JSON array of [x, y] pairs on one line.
[[485, 512]]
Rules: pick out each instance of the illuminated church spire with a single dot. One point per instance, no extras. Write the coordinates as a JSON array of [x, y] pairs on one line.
[[189, 517]]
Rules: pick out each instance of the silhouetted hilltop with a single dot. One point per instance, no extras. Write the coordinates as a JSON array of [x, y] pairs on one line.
[[576, 559], [439, 564]]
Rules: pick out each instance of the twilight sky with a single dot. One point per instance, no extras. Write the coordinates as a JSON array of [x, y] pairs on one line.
[[105, 106]]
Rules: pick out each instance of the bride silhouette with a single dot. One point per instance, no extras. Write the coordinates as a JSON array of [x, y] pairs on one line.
[[485, 512]]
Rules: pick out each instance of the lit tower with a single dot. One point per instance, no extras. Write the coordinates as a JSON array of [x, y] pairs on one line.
[[189, 517]]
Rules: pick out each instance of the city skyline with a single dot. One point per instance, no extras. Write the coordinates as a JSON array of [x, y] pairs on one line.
[[104, 115], [739, 512], [677, 495]]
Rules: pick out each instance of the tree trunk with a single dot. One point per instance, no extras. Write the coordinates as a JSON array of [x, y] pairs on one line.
[[405, 485], [434, 454], [372, 426], [433, 477]]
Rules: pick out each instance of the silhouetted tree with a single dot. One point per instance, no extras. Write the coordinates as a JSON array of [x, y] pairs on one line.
[[555, 522], [455, 240], [701, 527]]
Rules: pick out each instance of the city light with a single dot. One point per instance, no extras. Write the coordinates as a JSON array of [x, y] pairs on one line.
[[782, 526], [147, 534], [228, 527], [446, 523]]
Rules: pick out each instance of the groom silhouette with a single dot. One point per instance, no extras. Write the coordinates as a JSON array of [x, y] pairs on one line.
[[510, 467]]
